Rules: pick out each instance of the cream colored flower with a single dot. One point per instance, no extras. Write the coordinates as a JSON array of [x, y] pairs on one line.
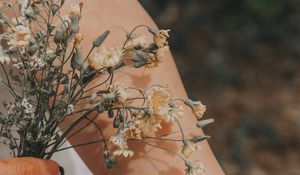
[[126, 152], [20, 37], [159, 99], [75, 10], [160, 38], [194, 168], [136, 42], [119, 92], [119, 140], [197, 107], [78, 38], [157, 58], [133, 132], [188, 148], [3, 56], [105, 58], [161, 53], [149, 124], [161, 105]]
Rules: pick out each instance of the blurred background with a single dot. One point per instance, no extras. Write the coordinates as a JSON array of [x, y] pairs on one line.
[[241, 58]]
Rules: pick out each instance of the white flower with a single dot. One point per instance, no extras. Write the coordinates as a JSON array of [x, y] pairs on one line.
[[137, 41], [119, 140], [3, 56], [28, 108], [23, 6], [70, 109], [120, 93], [20, 37], [197, 107], [105, 58], [194, 168], [188, 148], [126, 152]]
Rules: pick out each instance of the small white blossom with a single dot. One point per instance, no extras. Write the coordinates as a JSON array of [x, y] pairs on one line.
[[126, 152], [120, 93], [4, 57], [119, 140], [70, 109], [20, 37], [105, 58], [194, 168], [28, 108], [137, 41]]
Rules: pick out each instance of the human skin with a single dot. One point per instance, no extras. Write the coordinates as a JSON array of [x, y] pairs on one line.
[[101, 15], [28, 166]]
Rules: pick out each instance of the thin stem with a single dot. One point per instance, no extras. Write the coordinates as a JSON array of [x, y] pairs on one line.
[[165, 149]]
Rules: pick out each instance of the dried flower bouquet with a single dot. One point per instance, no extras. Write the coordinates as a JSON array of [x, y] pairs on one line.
[[51, 79]]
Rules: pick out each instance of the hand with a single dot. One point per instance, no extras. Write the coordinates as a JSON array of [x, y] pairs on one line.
[[28, 166]]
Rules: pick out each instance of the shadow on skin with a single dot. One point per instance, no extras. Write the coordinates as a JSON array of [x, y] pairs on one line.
[[92, 154]]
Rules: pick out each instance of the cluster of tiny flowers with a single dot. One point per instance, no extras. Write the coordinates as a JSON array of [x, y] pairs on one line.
[[60, 80]]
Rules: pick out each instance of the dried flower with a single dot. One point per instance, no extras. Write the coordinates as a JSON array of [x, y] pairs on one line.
[[120, 93], [161, 105], [197, 107], [4, 57], [126, 152], [139, 41], [133, 132], [159, 99], [160, 38], [20, 37], [119, 140], [105, 58], [188, 148], [70, 109], [161, 53], [78, 38], [194, 168], [75, 10], [155, 60], [28, 108], [148, 124]]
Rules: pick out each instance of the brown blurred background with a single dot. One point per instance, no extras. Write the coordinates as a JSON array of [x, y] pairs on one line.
[[241, 58]]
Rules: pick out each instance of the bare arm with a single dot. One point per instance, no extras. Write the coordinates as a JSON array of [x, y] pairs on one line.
[[99, 15]]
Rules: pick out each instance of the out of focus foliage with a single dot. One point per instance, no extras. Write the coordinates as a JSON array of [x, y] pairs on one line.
[[246, 57]]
